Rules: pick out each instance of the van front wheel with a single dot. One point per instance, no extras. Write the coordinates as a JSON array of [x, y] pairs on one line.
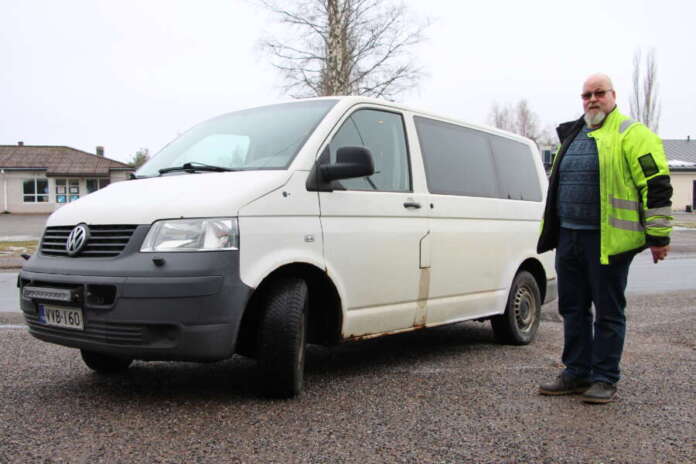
[[520, 322], [282, 338]]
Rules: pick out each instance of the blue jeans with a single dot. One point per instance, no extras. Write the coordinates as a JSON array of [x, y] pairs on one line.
[[590, 354]]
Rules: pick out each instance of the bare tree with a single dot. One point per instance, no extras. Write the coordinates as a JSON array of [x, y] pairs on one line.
[[502, 117], [521, 120], [645, 106], [527, 121], [139, 158], [345, 47]]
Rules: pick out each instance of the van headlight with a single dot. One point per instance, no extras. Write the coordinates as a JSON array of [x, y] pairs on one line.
[[207, 234]]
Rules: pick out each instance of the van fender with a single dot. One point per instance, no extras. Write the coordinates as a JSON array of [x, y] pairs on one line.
[[274, 261], [252, 274]]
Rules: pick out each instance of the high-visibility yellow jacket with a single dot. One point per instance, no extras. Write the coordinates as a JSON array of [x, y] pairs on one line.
[[634, 187]]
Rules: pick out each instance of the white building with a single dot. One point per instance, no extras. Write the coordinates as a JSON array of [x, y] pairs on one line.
[[681, 154], [39, 179]]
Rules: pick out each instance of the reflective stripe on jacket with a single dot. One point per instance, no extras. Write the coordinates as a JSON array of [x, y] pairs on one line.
[[634, 187]]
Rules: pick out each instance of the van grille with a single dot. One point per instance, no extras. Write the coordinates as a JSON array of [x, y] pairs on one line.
[[95, 331], [104, 241]]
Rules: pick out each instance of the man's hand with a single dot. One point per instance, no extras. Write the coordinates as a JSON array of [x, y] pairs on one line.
[[659, 252]]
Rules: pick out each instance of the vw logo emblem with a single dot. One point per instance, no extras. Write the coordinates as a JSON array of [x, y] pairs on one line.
[[77, 239]]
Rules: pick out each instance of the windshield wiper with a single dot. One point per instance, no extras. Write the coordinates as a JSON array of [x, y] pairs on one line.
[[195, 166]]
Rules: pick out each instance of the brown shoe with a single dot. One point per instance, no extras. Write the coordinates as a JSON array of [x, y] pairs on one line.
[[600, 393], [564, 385]]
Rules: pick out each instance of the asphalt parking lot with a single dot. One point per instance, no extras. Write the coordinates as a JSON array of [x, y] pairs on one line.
[[21, 226]]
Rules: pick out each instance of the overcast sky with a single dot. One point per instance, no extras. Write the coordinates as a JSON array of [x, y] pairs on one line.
[[128, 74]]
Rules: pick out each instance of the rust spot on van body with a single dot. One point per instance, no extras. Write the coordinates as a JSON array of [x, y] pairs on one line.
[[423, 295], [420, 316], [355, 338]]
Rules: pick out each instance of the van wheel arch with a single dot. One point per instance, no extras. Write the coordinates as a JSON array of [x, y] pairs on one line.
[[324, 317], [534, 267]]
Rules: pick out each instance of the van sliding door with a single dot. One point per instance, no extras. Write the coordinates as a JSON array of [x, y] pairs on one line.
[[467, 227]]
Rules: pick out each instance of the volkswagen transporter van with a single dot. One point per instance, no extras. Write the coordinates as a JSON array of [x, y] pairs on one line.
[[317, 221]]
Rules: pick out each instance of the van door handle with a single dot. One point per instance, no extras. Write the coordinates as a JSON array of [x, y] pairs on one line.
[[412, 204]]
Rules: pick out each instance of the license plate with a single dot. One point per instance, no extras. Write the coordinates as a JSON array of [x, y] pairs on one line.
[[60, 316]]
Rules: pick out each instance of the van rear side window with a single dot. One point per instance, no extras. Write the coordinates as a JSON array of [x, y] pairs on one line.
[[457, 159], [518, 176]]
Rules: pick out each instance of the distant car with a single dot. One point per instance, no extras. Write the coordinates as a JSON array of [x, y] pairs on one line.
[[316, 221]]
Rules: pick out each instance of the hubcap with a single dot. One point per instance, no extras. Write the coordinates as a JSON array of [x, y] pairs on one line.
[[524, 305]]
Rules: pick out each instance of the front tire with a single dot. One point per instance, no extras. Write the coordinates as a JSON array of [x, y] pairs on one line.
[[104, 363], [520, 322], [283, 338]]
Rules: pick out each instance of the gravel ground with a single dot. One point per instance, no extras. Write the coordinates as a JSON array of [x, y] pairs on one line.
[[447, 395]]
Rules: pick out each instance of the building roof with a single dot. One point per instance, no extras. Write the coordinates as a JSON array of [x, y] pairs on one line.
[[681, 153], [57, 161]]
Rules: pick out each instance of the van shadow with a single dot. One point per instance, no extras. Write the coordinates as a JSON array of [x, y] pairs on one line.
[[400, 351], [237, 380]]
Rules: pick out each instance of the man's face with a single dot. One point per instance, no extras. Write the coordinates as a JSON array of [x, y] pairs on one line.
[[593, 103]]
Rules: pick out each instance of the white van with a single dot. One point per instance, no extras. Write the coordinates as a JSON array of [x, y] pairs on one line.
[[317, 221]]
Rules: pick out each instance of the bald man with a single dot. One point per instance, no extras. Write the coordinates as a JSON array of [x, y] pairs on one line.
[[609, 198]]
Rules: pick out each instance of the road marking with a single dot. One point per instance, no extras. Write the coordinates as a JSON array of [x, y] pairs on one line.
[[12, 326]]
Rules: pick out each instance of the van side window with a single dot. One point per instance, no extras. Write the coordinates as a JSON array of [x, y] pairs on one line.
[[516, 170], [383, 134], [457, 159]]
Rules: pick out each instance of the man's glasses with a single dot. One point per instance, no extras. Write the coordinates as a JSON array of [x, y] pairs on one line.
[[597, 93]]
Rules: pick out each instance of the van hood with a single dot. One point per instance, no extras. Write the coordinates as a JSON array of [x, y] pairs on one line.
[[144, 201]]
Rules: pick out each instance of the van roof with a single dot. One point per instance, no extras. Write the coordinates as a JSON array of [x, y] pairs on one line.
[[347, 101]]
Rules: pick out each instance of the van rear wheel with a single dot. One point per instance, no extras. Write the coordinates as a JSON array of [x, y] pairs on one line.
[[282, 338], [520, 322], [104, 363]]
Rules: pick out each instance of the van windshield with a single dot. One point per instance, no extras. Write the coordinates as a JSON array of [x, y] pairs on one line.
[[267, 137]]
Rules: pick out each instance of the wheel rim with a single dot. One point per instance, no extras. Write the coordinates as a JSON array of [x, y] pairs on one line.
[[524, 305]]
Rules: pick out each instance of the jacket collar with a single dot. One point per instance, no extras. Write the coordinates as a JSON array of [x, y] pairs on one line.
[[573, 127], [611, 121], [569, 128]]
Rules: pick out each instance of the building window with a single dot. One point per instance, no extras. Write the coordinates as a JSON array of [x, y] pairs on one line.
[[35, 190], [95, 184], [67, 190]]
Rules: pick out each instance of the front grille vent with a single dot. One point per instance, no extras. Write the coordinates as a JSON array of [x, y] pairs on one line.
[[104, 241], [95, 331]]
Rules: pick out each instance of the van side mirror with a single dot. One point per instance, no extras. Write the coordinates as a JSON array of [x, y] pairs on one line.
[[350, 162]]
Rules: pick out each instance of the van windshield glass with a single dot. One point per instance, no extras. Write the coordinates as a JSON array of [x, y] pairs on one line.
[[267, 137]]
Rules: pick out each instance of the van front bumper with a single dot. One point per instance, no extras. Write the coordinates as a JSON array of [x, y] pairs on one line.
[[188, 309]]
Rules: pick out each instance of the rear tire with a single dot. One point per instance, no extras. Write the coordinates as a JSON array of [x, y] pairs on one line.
[[283, 338], [104, 363], [520, 322]]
